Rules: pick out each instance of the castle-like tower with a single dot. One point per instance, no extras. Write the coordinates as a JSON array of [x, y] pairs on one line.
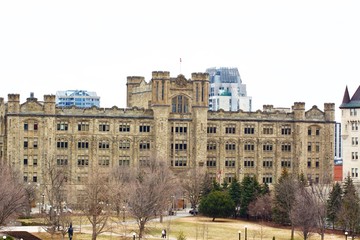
[[168, 118]]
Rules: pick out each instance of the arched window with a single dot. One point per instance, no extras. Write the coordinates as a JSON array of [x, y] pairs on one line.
[[179, 104]]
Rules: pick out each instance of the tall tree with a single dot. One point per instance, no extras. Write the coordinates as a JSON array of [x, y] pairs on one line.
[[96, 200], [217, 204], [349, 214], [334, 203], [261, 207], [12, 194], [284, 199], [192, 182], [304, 211], [235, 194], [250, 190], [152, 187]]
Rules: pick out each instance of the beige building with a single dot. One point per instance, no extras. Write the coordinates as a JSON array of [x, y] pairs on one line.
[[167, 117]]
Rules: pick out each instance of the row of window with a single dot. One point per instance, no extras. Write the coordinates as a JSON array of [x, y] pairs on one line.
[[249, 162], [103, 127], [267, 147]]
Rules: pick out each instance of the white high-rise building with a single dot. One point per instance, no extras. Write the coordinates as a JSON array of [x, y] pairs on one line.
[[226, 90], [78, 98], [350, 122]]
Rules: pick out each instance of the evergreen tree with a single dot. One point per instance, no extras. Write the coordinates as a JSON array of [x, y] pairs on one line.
[[250, 190], [217, 204], [235, 194], [334, 203], [349, 214]]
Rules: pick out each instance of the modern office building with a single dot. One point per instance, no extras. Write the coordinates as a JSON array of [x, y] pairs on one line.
[[227, 91], [167, 118], [78, 98], [350, 119], [338, 159]]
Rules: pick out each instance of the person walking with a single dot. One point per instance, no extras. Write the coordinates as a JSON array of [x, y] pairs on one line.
[[70, 232], [163, 233]]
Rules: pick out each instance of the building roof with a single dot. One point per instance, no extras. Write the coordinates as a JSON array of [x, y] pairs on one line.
[[354, 102]]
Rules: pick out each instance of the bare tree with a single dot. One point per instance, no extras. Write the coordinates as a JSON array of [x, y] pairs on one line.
[[54, 185], [151, 189], [192, 182], [96, 206], [261, 207], [304, 212], [31, 195], [12, 194]]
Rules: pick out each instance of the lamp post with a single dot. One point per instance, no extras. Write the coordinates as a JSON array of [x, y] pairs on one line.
[[239, 235], [134, 235], [245, 232], [346, 234], [43, 202], [123, 213]]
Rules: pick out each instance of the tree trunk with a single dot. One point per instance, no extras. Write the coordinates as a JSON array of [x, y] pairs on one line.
[[94, 235], [292, 232], [142, 229]]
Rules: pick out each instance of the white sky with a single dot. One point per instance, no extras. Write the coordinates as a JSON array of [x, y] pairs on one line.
[[286, 51]]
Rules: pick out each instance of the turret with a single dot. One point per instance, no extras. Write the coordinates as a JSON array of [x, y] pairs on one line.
[[49, 104], [132, 82], [13, 103], [329, 109], [160, 85], [299, 110], [201, 89]]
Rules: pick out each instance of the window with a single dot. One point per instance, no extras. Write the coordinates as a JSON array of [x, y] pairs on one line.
[[267, 147], [211, 162], [317, 132], [286, 147], [25, 177], [309, 131], [317, 147], [26, 126], [286, 163], [144, 128], [144, 145], [84, 144], [83, 126], [249, 129], [124, 127], [249, 162], [34, 178], [104, 144], [61, 143], [317, 163], [104, 127], [353, 112], [179, 104], [230, 162], [354, 172], [25, 160], [179, 146], [354, 141], [230, 129], [35, 161], [179, 161], [62, 126], [268, 163], [309, 163], [309, 147], [179, 129], [211, 146], [26, 143], [104, 161], [35, 126], [35, 143], [285, 130], [354, 155], [249, 146], [61, 160], [144, 161], [230, 146], [124, 161], [124, 144], [354, 126], [229, 177], [83, 161], [211, 129], [268, 130], [267, 178]]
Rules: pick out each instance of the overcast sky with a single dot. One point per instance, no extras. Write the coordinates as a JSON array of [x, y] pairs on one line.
[[286, 51]]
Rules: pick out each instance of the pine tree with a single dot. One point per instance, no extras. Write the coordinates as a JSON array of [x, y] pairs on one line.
[[334, 203], [235, 193], [250, 189]]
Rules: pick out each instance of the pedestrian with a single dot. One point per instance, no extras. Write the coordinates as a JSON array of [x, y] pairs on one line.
[[70, 232], [163, 233]]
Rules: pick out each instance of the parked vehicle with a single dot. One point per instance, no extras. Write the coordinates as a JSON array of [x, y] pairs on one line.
[[193, 211]]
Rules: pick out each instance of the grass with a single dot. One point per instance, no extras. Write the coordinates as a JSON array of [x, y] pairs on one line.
[[197, 228]]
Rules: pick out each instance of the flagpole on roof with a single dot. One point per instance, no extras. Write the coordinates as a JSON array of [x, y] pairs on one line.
[[180, 65]]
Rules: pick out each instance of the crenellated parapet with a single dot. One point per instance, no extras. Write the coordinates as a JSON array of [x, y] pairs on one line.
[[13, 103]]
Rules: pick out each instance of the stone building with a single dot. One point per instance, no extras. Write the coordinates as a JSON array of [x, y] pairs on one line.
[[167, 118]]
